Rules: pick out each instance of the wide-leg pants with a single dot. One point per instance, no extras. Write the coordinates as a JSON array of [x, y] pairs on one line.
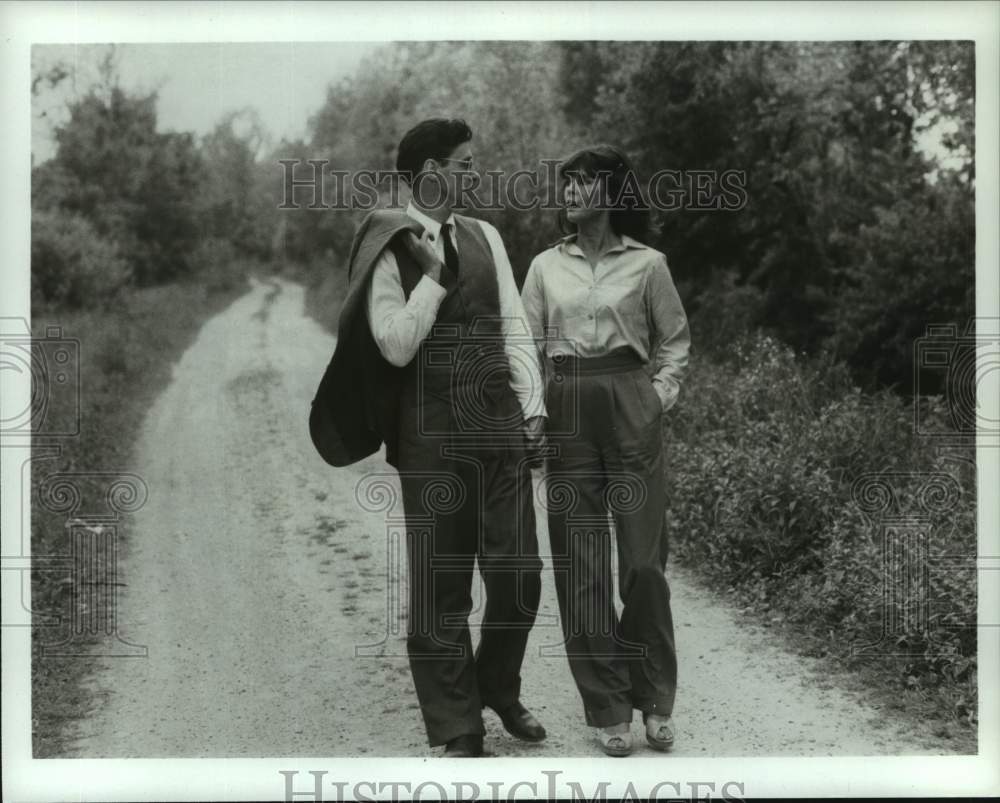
[[464, 502], [604, 425]]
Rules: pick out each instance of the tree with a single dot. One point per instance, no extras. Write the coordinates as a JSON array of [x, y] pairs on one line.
[[507, 92], [137, 187], [837, 187], [234, 206]]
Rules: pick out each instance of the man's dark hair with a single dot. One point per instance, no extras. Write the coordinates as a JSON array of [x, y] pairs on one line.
[[430, 139]]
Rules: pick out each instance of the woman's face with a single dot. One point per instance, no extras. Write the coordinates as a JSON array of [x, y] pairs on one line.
[[581, 197]]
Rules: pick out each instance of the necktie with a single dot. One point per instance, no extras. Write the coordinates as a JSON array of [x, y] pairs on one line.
[[450, 254]]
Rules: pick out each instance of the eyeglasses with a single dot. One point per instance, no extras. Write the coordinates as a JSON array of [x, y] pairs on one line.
[[466, 164]]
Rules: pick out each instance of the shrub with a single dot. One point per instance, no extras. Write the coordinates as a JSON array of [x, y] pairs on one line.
[[723, 313], [763, 452], [216, 264], [71, 265]]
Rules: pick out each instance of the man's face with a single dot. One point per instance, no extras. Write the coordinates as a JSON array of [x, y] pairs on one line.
[[459, 159], [451, 171]]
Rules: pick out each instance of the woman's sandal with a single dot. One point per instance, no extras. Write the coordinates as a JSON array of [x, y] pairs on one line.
[[659, 731], [615, 744]]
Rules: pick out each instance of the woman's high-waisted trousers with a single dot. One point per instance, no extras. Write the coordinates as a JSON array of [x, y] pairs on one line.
[[605, 430]]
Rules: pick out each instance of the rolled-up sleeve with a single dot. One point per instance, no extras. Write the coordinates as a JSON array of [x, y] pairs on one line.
[[670, 336], [398, 324]]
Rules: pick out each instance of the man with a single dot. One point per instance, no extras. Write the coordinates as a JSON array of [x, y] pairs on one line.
[[453, 386]]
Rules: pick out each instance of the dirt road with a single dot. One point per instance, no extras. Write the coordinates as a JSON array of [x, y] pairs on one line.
[[254, 575]]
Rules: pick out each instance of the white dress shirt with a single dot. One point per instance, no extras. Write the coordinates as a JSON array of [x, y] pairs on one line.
[[400, 325]]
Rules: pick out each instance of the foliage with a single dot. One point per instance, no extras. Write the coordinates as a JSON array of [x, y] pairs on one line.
[[364, 117], [853, 237], [852, 246], [218, 266], [144, 207], [762, 463], [913, 266], [137, 187], [71, 265], [232, 203]]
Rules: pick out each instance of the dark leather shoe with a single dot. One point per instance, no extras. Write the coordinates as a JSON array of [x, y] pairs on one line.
[[520, 722], [468, 745]]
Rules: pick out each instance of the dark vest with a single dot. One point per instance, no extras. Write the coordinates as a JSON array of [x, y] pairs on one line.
[[462, 363]]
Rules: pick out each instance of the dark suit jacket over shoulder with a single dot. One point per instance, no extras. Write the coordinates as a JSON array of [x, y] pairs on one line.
[[354, 411]]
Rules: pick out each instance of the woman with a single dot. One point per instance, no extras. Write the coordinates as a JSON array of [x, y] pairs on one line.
[[604, 309]]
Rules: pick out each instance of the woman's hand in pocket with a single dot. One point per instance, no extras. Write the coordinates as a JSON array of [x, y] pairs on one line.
[[666, 393]]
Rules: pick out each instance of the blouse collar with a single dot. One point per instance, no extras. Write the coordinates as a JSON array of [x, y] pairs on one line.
[[568, 243]]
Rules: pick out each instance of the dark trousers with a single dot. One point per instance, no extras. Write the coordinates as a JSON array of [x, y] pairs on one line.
[[604, 422], [465, 503]]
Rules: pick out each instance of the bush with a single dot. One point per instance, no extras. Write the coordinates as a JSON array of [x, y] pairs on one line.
[[723, 313], [762, 461], [71, 265], [216, 264], [326, 288]]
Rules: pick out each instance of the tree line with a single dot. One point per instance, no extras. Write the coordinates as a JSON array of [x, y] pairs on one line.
[[121, 204], [852, 239]]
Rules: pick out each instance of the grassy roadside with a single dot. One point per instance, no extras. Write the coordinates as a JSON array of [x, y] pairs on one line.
[[779, 471], [126, 357], [325, 281]]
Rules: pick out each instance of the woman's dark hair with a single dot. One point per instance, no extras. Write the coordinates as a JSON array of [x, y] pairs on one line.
[[429, 139], [630, 212]]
